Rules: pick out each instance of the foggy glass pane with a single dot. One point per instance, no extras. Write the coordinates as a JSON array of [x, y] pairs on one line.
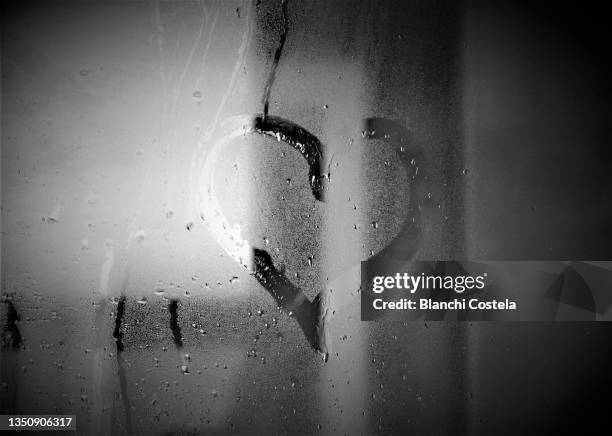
[[188, 189]]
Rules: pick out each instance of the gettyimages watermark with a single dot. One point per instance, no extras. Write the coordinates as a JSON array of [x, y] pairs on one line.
[[486, 291]]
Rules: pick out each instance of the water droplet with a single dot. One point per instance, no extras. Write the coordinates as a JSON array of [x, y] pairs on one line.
[[84, 72], [142, 300], [141, 235], [233, 280], [169, 214], [189, 226], [465, 171], [197, 95], [413, 161], [54, 216], [374, 224]]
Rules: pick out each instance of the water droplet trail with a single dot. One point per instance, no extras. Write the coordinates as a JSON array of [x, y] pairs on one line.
[[118, 335], [277, 56], [177, 335], [11, 336]]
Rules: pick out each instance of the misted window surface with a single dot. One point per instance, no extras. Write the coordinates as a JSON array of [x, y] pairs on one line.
[[188, 192]]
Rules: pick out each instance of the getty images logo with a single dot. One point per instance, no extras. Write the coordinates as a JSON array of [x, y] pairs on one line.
[[413, 283]]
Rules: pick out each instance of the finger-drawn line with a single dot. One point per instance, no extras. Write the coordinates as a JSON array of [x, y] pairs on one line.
[[311, 316], [300, 139]]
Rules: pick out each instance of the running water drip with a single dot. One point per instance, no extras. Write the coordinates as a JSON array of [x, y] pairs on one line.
[[177, 335], [118, 335], [11, 337], [277, 56]]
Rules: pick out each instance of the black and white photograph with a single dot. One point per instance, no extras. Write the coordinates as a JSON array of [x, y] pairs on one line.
[[305, 217]]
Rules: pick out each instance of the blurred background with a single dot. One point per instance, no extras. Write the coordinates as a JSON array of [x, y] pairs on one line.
[[119, 306]]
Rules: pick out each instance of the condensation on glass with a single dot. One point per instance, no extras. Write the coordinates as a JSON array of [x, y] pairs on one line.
[[188, 189]]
